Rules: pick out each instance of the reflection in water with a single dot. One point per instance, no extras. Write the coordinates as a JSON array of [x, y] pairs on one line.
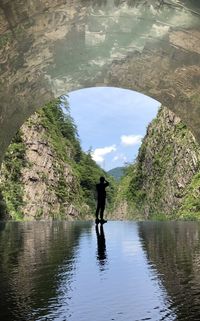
[[101, 246], [34, 259], [173, 248], [49, 271]]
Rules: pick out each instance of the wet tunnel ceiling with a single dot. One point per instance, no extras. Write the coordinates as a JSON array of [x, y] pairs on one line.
[[50, 47]]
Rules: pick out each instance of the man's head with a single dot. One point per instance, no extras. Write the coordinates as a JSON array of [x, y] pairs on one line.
[[102, 179]]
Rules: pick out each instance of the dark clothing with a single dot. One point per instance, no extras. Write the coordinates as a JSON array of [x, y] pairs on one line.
[[101, 191], [101, 198], [100, 207]]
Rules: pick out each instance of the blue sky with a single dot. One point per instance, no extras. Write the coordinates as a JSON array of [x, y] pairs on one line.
[[111, 121]]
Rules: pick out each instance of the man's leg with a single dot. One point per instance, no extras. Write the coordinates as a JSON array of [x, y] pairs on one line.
[[102, 209], [97, 210]]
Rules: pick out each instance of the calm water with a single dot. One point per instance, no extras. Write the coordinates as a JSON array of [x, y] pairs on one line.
[[124, 271]]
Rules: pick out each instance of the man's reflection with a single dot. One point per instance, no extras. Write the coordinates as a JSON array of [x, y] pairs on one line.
[[101, 247]]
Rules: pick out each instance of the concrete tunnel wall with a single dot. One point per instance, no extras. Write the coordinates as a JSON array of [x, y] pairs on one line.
[[48, 48]]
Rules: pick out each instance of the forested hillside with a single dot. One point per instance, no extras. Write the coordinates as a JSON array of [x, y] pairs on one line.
[[116, 172], [45, 173], [165, 180]]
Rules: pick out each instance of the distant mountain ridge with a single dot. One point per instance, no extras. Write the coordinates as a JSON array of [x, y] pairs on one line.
[[117, 172]]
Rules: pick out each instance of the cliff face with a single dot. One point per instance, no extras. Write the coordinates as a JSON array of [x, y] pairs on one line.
[[45, 174], [163, 177], [49, 185]]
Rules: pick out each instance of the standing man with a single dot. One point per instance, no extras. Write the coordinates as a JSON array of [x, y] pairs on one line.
[[101, 199]]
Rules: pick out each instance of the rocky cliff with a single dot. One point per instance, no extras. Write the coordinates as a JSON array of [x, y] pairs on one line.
[[45, 174], [165, 181]]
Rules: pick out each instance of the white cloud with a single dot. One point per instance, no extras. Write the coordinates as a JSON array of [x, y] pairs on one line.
[[131, 140], [99, 153]]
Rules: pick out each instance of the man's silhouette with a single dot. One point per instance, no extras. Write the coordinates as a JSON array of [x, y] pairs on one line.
[[101, 199]]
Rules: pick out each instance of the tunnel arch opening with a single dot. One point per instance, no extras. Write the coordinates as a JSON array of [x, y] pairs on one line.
[[150, 47], [59, 47], [46, 164]]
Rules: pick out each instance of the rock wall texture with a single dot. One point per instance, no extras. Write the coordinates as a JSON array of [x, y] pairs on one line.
[[167, 164], [42, 185], [43, 175]]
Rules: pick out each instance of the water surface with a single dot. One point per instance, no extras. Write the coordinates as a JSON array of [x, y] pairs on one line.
[[77, 272]]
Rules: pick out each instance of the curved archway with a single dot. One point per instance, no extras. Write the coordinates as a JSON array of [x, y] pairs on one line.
[[49, 48]]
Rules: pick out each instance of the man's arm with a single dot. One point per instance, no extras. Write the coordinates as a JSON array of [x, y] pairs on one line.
[[106, 183]]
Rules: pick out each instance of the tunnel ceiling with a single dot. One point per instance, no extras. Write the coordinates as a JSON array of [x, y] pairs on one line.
[[51, 47]]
